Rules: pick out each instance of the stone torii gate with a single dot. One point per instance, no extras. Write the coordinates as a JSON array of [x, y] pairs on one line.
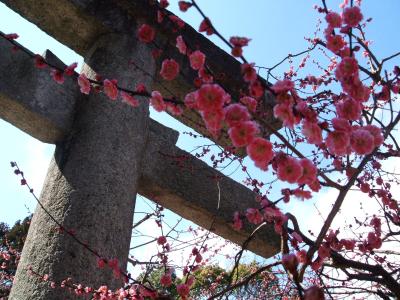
[[107, 152]]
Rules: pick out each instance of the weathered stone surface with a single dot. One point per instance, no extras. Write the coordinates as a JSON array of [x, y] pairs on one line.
[[189, 187], [30, 99], [91, 184], [77, 23]]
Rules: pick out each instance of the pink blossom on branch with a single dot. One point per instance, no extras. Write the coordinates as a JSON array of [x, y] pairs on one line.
[[169, 69], [362, 141], [309, 172], [210, 97], [166, 280], [110, 88], [250, 102], [177, 21], [205, 76], [333, 19], [184, 5], [84, 84], [312, 131], [101, 263], [237, 221], [341, 124], [237, 51], [146, 33], [302, 194], [181, 45], [249, 73], [197, 59], [256, 89], [238, 43], [243, 133], [335, 43], [349, 109], [183, 290], [174, 109], [376, 133], [70, 70], [40, 63], [338, 142], [140, 88], [284, 112], [205, 26], [191, 100], [346, 68], [164, 3], [352, 16], [198, 258], [113, 263], [129, 99], [290, 262], [283, 86], [157, 101], [213, 120], [57, 76], [11, 36], [161, 240], [374, 241], [254, 216], [235, 114], [302, 256], [260, 151], [289, 170]]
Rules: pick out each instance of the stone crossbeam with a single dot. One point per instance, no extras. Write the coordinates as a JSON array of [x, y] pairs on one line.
[[78, 23], [32, 101]]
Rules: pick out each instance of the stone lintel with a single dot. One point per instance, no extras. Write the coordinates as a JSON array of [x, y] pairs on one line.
[[30, 99]]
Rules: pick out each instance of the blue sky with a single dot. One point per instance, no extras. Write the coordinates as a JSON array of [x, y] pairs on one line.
[[275, 27]]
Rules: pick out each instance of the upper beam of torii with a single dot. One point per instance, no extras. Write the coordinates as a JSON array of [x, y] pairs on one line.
[[107, 151]]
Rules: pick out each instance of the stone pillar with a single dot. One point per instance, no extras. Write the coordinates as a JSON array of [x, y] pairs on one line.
[[92, 181]]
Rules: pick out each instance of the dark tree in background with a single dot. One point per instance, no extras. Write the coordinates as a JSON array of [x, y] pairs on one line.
[[11, 243]]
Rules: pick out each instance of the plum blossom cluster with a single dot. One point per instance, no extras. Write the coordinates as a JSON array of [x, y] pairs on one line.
[[9, 258], [183, 288], [217, 110], [350, 18], [108, 87], [133, 291], [345, 137], [214, 103], [268, 212]]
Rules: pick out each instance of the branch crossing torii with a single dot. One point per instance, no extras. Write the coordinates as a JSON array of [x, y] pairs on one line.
[[106, 151]]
